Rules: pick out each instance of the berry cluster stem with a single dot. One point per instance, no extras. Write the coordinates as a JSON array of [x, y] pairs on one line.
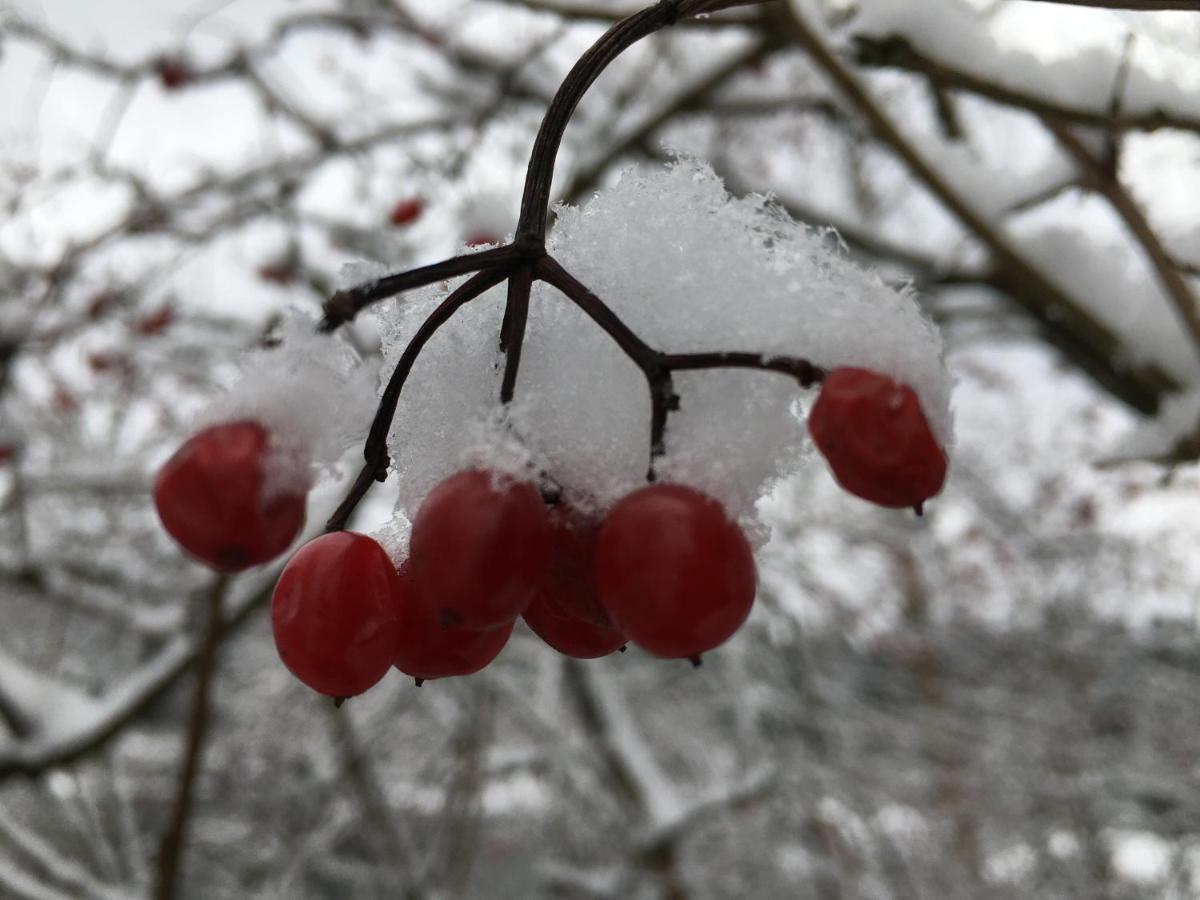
[[526, 260]]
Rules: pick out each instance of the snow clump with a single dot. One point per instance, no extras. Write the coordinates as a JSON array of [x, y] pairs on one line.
[[689, 268]]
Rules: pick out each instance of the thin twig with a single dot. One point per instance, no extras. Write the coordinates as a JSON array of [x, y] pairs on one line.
[[585, 180], [343, 306], [1067, 323], [598, 13], [1109, 185], [375, 451], [896, 52], [171, 848], [1135, 5]]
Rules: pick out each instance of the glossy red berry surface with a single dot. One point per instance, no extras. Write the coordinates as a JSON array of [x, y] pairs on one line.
[[334, 613], [566, 611], [674, 572], [210, 497], [570, 635], [428, 647], [568, 584], [479, 545], [875, 436]]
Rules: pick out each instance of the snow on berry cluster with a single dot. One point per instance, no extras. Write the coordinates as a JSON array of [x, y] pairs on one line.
[[540, 510], [689, 268]]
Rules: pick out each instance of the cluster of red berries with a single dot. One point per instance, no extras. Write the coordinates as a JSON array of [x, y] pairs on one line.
[[665, 568]]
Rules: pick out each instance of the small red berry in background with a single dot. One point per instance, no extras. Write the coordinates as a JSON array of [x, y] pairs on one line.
[[334, 613], [406, 211], [482, 239], [154, 323], [173, 74], [674, 572], [566, 611], [209, 496], [8, 454], [875, 436], [101, 304], [428, 647], [479, 545], [281, 273], [109, 363], [64, 402]]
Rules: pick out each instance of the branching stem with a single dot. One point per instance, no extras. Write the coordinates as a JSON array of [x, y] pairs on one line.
[[525, 260]]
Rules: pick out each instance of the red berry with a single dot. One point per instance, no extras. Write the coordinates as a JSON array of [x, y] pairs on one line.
[[479, 544], [209, 496], [566, 611], [569, 635], [568, 584], [482, 239], [674, 572], [282, 273], [427, 647], [173, 74], [407, 211], [876, 438], [155, 322], [334, 613]]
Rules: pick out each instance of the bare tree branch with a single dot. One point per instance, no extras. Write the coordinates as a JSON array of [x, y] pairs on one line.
[[1108, 184], [896, 52], [1135, 5], [1092, 345], [175, 835]]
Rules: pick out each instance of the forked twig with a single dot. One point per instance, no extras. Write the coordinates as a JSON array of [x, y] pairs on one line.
[[526, 260]]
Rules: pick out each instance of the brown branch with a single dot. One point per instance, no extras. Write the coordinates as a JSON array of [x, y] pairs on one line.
[[173, 664], [1135, 5], [595, 13], [173, 839], [585, 181], [1065, 321], [1109, 185], [375, 451], [897, 53]]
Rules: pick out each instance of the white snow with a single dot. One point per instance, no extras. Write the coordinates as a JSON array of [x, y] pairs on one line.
[[312, 395], [1157, 438], [689, 268]]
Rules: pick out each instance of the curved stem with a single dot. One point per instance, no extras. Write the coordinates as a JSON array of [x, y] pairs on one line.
[[375, 451], [802, 370], [345, 305], [535, 203]]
